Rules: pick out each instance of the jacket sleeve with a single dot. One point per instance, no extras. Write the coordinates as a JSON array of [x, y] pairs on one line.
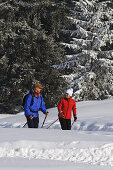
[[74, 108], [42, 107], [27, 105], [60, 105]]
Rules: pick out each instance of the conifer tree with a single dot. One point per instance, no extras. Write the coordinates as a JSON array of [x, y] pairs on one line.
[[28, 51]]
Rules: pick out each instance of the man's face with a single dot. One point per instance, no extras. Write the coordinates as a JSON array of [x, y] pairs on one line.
[[67, 96], [37, 90]]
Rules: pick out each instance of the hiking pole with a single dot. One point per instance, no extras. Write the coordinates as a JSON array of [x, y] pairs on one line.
[[25, 124], [44, 121], [52, 124], [72, 123]]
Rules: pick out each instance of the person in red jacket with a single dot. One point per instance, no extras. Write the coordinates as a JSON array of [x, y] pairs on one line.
[[65, 106]]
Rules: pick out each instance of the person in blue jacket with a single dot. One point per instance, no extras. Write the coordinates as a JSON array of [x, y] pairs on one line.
[[34, 102]]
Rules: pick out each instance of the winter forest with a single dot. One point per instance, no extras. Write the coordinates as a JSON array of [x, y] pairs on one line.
[[60, 43]]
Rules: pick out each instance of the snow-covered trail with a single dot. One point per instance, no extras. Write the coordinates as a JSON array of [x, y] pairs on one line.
[[88, 145]]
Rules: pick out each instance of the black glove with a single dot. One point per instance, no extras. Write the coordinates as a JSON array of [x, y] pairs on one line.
[[75, 118]]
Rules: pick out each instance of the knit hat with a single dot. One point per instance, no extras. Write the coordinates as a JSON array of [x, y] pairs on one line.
[[69, 91], [38, 85]]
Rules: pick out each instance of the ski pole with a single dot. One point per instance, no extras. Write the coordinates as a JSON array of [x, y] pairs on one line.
[[44, 121], [25, 124], [72, 123], [52, 124]]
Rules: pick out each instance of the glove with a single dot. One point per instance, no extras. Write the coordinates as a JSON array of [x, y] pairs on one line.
[[75, 118]]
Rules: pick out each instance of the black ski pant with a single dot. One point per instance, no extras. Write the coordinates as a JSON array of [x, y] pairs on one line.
[[65, 124], [32, 123]]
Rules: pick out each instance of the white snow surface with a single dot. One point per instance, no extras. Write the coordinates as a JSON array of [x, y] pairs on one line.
[[88, 145]]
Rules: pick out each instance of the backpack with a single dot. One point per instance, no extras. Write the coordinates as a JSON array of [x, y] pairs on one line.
[[24, 99]]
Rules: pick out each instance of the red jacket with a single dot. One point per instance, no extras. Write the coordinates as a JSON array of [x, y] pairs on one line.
[[66, 105]]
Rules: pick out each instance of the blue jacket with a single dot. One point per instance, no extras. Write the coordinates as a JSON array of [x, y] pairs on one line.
[[37, 103]]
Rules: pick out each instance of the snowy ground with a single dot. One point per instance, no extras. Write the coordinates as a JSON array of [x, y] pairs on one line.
[[88, 145]]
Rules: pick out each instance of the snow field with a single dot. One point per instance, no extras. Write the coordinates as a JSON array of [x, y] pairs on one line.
[[89, 143]]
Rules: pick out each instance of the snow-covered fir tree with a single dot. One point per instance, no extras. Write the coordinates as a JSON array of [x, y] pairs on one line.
[[89, 65]]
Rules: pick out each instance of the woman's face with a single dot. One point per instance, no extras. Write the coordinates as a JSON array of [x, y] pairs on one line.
[[67, 96]]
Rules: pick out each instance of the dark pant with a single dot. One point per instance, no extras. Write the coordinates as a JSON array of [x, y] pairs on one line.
[[32, 123], [65, 124]]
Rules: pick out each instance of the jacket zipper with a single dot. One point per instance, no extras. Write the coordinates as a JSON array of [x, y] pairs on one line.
[[67, 109], [37, 106]]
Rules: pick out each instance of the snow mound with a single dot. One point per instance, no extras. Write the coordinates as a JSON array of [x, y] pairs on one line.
[[102, 155]]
